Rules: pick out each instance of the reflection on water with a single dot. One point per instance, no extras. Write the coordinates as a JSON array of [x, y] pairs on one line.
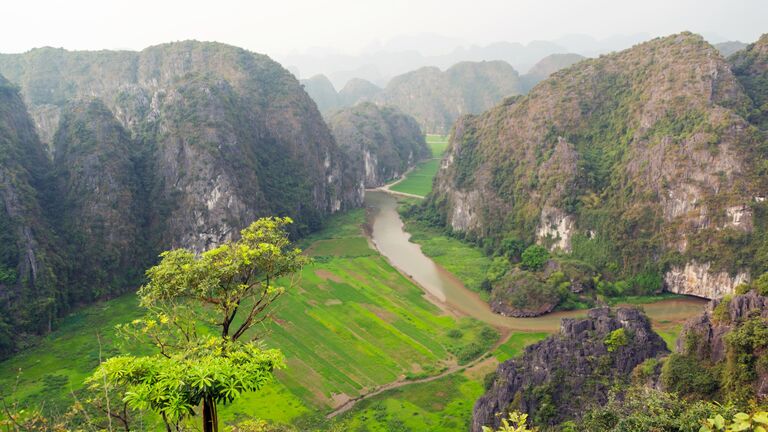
[[447, 291]]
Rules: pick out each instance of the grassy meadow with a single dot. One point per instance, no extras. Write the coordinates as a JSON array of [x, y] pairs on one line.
[[419, 180]]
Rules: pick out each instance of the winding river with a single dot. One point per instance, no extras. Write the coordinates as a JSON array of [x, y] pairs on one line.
[[446, 291]]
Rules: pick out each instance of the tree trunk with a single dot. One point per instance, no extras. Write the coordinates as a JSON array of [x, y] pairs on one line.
[[210, 415]]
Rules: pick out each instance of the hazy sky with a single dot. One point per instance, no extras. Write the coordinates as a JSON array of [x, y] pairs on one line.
[[278, 27]]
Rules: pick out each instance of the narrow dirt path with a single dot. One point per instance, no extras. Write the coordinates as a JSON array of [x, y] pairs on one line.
[[346, 406]]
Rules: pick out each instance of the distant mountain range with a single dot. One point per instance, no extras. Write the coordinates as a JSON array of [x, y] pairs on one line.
[[436, 98], [380, 63]]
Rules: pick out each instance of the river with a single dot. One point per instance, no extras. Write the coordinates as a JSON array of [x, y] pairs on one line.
[[449, 293]]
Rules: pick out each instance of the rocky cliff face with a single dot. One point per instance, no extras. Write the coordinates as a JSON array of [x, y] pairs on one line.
[[698, 280], [99, 200], [382, 142], [241, 122], [436, 98], [32, 273], [179, 145], [639, 161], [558, 378], [729, 338]]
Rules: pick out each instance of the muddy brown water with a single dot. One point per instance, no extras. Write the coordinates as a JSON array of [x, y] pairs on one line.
[[447, 292]]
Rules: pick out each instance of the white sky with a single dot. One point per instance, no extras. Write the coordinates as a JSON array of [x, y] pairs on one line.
[[278, 27]]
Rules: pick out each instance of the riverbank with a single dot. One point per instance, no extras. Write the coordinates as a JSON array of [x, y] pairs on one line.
[[393, 242]]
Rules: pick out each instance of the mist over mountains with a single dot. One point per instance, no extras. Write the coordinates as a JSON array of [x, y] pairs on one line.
[[378, 63]]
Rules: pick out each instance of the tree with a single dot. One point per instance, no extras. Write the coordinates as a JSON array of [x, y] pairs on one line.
[[200, 310], [534, 257]]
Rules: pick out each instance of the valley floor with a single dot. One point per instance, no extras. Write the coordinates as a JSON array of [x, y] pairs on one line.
[[352, 326], [417, 182]]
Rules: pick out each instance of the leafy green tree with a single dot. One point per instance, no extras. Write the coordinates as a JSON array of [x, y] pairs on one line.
[[534, 257], [200, 310], [515, 423], [757, 422]]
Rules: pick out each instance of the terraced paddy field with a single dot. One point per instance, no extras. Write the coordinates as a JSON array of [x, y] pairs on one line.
[[419, 180], [351, 324]]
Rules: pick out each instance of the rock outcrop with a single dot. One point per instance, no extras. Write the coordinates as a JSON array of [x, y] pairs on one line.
[[698, 280], [382, 142], [560, 377], [638, 161], [705, 339], [751, 68], [33, 277], [101, 200], [231, 134]]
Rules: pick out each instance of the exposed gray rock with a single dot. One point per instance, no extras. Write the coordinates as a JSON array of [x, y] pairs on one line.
[[560, 377]]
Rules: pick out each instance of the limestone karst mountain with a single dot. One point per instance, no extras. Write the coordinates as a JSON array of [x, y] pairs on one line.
[[641, 164], [437, 98], [383, 142], [179, 145]]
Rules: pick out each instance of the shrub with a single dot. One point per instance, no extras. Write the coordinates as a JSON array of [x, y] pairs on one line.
[[616, 339], [455, 334], [761, 284], [721, 314], [687, 377]]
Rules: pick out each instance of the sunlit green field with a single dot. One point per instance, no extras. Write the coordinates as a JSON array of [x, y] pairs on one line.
[[419, 181], [443, 405], [352, 323]]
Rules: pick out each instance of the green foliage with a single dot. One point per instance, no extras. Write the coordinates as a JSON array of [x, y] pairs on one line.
[[186, 289], [498, 268], [686, 376], [516, 422], [173, 386], [721, 313], [641, 409], [744, 346], [534, 257], [8, 275], [761, 284], [757, 422], [616, 339]]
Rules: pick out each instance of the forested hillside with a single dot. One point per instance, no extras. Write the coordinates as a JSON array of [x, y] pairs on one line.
[[642, 167]]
